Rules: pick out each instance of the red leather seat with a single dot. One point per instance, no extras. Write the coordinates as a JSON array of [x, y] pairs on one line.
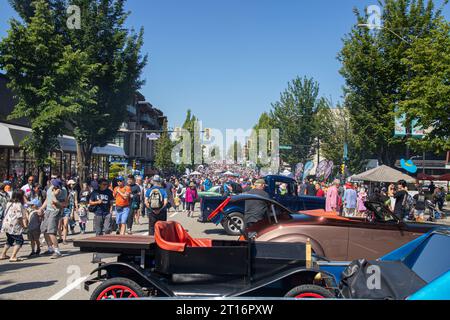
[[171, 236]]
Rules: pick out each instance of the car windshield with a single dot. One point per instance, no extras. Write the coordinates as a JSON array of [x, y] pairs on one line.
[[381, 212]]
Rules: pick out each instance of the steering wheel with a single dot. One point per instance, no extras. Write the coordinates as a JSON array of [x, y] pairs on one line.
[[219, 208], [370, 217]]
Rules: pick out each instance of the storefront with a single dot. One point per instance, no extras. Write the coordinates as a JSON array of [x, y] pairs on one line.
[[16, 164]]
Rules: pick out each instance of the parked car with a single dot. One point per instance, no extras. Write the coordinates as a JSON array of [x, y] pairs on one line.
[[236, 209], [216, 191], [333, 236], [419, 270]]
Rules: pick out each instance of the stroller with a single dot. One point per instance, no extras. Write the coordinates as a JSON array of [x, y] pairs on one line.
[[435, 213]]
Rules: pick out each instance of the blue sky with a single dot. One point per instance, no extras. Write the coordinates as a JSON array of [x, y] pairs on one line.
[[228, 60]]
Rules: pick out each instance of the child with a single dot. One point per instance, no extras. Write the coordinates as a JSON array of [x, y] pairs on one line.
[[34, 227], [85, 194]]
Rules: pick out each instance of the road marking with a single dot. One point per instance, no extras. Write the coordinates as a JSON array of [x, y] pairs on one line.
[[174, 214], [69, 288]]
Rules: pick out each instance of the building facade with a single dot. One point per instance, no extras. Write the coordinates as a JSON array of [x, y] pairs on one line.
[[134, 135], [16, 164]]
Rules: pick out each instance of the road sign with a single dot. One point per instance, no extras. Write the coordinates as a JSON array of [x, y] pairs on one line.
[[285, 148]]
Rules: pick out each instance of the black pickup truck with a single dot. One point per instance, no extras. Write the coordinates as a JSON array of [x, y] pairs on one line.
[[236, 211]]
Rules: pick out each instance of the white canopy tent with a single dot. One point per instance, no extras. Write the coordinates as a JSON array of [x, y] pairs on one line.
[[383, 174]]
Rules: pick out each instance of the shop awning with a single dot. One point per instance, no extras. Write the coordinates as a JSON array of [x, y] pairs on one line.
[[12, 135]]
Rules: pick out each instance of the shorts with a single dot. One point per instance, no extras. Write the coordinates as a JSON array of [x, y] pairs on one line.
[[51, 221], [14, 240], [122, 215], [66, 213], [34, 235], [190, 206]]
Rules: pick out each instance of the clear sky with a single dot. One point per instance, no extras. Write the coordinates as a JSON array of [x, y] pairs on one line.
[[228, 60]]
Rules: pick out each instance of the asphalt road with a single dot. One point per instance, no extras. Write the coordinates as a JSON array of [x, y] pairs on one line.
[[43, 279]]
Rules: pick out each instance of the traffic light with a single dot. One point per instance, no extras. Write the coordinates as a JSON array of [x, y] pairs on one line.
[[134, 164], [343, 169]]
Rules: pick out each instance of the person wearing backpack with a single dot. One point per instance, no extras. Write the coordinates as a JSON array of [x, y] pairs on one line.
[[156, 201], [401, 209], [419, 206]]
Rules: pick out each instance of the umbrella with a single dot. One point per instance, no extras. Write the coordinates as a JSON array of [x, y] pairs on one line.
[[383, 174], [229, 173], [195, 173]]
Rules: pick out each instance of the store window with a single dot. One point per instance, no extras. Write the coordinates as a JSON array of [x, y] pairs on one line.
[[3, 164]]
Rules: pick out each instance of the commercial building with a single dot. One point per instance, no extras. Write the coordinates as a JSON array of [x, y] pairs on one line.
[[135, 135], [16, 163]]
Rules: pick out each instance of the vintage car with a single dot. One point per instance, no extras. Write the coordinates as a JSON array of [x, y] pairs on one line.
[[215, 191], [236, 209], [173, 264], [333, 236], [419, 270]]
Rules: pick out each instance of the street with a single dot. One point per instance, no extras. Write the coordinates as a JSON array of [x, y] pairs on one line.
[[62, 279]]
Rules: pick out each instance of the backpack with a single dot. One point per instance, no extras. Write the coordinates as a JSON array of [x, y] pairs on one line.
[[3, 201], [407, 204], [156, 199]]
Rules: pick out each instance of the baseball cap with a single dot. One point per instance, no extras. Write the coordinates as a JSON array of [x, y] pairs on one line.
[[36, 202], [260, 181], [57, 183], [156, 178], [120, 178]]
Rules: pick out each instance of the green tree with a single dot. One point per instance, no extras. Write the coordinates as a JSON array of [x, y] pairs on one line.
[[334, 130], [47, 77], [428, 91], [191, 125], [294, 116], [163, 157], [375, 73], [113, 65]]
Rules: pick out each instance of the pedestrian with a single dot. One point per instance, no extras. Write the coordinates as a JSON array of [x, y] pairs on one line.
[[256, 210], [319, 191], [14, 223], [439, 198], [135, 203], [101, 201], [8, 187], [68, 217], [181, 193], [122, 194], [350, 200], [400, 197], [156, 203], [140, 213], [362, 198], [83, 212], [419, 206], [55, 201], [28, 187], [34, 227], [191, 197], [4, 199], [311, 188], [332, 201]]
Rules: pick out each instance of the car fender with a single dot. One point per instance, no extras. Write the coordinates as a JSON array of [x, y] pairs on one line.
[[232, 209], [126, 270], [297, 237], [307, 276]]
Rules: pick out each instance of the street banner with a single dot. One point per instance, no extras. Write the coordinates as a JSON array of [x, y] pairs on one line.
[[400, 128], [153, 136], [298, 170], [308, 167], [417, 131]]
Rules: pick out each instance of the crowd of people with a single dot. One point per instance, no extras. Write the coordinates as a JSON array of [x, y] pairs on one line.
[[49, 214]]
